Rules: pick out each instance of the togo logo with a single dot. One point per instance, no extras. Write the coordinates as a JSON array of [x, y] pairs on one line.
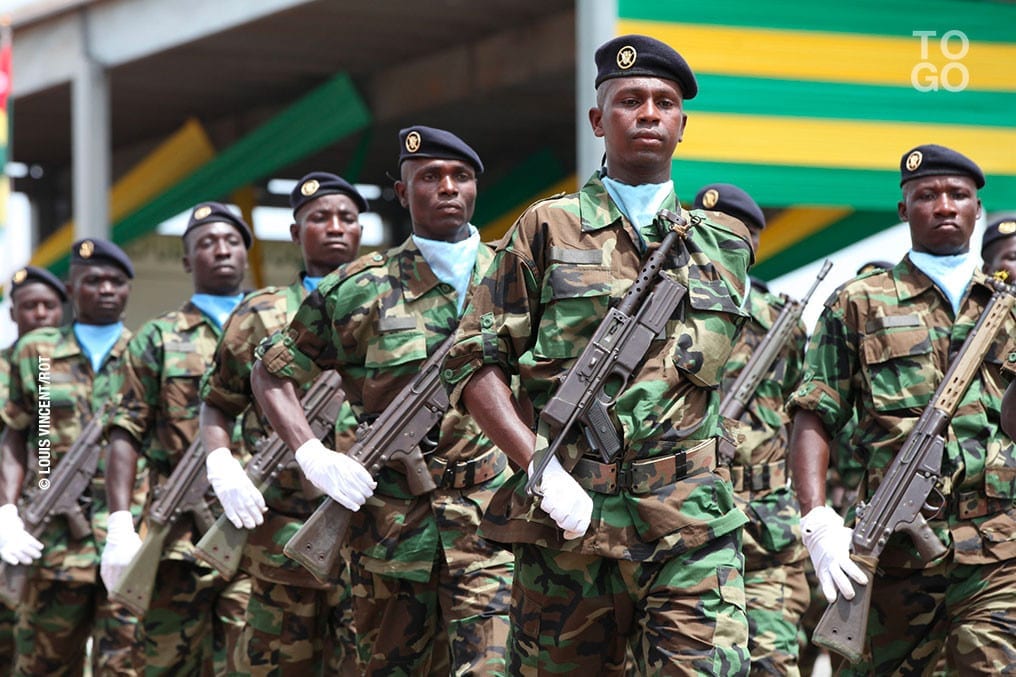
[[202, 212], [626, 57], [413, 142], [309, 187], [86, 249], [710, 199], [914, 160], [1007, 227], [20, 276]]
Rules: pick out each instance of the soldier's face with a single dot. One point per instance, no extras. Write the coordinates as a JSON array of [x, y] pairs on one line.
[[641, 120], [1001, 255], [99, 293], [440, 196], [216, 258], [328, 232], [35, 305], [941, 211]]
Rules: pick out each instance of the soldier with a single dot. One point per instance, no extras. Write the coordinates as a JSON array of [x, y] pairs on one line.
[[998, 248], [65, 602], [605, 557], [37, 298], [294, 624], [774, 580], [880, 349], [194, 613], [422, 580]]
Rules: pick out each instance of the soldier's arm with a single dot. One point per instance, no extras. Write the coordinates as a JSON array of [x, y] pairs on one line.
[[280, 403], [489, 401], [121, 468], [809, 459], [215, 427], [13, 464]]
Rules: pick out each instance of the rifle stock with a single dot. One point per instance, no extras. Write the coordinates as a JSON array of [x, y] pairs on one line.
[[222, 545], [134, 589], [71, 476], [394, 437], [908, 493]]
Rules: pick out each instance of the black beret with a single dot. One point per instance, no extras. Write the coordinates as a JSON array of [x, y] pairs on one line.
[[94, 251], [420, 141], [729, 199], [30, 274], [316, 184], [874, 265], [933, 160], [640, 55], [998, 230], [216, 212]]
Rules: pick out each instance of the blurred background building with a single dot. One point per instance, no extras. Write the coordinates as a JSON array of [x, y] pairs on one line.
[[124, 113]]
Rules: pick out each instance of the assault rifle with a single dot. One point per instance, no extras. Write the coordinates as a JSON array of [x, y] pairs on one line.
[[222, 545], [762, 360], [71, 476], [612, 355], [905, 497], [395, 436]]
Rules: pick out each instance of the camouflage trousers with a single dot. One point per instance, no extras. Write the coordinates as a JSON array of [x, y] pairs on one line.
[[7, 619], [966, 612], [576, 614], [194, 621], [776, 597], [292, 630], [54, 622], [445, 625]]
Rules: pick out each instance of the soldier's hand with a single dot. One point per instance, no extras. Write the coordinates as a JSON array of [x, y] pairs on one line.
[[828, 543], [17, 546], [567, 503], [338, 475], [122, 543], [241, 501]]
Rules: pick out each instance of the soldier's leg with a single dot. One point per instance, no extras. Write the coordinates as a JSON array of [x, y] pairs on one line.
[[690, 614], [982, 612], [115, 647], [284, 631], [474, 609], [7, 619], [776, 599], [54, 622], [229, 616], [340, 644]]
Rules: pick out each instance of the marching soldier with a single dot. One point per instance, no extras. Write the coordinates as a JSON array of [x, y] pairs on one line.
[[998, 248]]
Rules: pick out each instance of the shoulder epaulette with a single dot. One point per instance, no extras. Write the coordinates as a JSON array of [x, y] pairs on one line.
[[365, 262]]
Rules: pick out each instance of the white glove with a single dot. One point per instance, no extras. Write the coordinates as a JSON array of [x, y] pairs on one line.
[[564, 500], [828, 543], [17, 546], [240, 499], [122, 543], [338, 475]]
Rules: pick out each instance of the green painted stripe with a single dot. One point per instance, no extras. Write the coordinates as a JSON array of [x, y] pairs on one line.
[[775, 185], [834, 237], [731, 94], [984, 20]]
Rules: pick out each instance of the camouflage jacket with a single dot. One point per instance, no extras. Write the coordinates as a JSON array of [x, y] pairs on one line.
[[880, 349], [227, 386], [555, 274], [773, 532], [5, 375], [375, 321], [159, 400], [75, 391]]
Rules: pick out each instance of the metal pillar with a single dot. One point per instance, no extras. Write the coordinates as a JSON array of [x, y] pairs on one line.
[[595, 23], [91, 139]]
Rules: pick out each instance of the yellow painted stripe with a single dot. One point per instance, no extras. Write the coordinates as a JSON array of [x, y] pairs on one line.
[[846, 144], [826, 56], [792, 225], [175, 158], [497, 228]]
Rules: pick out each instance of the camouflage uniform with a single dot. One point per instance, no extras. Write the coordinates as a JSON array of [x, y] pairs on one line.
[[774, 581], [194, 612], [65, 600], [419, 570], [7, 617], [294, 624], [660, 565], [880, 349]]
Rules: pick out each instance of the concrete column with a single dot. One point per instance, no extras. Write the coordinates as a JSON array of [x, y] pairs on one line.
[[91, 140], [595, 22]]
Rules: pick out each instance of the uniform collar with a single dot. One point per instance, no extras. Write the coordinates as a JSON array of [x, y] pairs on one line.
[[597, 211], [189, 317], [910, 281], [69, 346]]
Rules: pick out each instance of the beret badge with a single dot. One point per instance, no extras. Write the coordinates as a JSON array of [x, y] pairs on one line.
[[1007, 227], [626, 57], [20, 276], [413, 141], [710, 199], [202, 212], [310, 187], [914, 160], [85, 249]]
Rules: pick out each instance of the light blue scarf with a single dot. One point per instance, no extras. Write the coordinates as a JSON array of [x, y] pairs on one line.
[[217, 308], [951, 274], [638, 203], [311, 283], [452, 262], [97, 340]]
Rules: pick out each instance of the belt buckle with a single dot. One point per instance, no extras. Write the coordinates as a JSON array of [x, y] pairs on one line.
[[758, 479], [623, 478]]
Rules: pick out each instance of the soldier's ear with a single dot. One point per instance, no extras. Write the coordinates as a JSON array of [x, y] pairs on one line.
[[400, 192], [185, 260], [294, 233]]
